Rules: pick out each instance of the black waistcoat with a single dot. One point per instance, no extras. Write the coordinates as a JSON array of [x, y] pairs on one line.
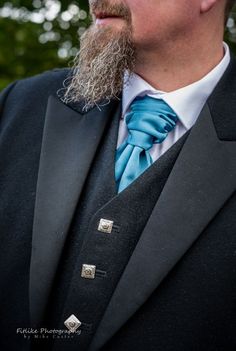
[[129, 210]]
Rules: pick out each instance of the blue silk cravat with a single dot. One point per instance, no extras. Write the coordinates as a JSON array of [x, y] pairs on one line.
[[149, 122]]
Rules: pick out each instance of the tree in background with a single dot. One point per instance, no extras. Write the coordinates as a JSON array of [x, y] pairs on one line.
[[40, 35]]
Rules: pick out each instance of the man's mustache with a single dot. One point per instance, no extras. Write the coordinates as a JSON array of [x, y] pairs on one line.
[[98, 7]]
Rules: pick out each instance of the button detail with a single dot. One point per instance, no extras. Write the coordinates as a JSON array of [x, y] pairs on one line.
[[72, 323], [105, 225], [88, 271]]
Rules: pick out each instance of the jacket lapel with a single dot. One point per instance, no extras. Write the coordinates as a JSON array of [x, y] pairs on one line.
[[68, 147], [202, 180]]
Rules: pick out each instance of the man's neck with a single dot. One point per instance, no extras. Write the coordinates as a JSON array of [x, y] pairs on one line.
[[174, 68]]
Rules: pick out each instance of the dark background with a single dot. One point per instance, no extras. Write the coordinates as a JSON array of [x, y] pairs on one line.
[[40, 35]]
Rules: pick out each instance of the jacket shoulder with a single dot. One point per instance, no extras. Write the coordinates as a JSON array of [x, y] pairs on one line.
[[39, 86], [29, 96], [43, 84]]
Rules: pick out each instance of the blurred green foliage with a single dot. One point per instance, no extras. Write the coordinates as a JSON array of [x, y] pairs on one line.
[[40, 35]]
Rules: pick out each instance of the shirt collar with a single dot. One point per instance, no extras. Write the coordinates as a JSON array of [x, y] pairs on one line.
[[187, 102]]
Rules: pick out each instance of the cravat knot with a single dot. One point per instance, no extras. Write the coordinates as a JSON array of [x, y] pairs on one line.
[[149, 121], [140, 139]]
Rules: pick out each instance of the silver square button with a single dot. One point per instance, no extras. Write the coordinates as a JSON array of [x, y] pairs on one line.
[[88, 271], [72, 323], [105, 225]]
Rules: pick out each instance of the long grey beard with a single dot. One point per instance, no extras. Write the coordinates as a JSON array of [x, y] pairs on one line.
[[100, 66]]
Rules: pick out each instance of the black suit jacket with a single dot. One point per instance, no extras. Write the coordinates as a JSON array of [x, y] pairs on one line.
[[178, 290]]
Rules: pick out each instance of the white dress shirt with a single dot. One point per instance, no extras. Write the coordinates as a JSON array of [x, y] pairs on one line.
[[187, 103]]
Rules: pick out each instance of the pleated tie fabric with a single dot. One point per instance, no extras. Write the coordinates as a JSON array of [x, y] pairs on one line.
[[149, 122]]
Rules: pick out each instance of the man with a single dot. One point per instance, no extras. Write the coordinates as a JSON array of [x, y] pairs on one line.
[[118, 187]]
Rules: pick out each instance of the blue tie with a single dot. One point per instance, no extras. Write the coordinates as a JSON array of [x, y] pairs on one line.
[[149, 122]]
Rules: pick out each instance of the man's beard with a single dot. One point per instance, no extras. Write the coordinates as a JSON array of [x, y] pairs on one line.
[[106, 56]]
